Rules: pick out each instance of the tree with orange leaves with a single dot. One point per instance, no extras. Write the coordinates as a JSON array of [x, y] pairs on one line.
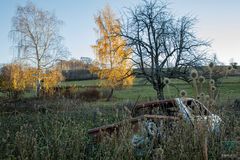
[[16, 78], [112, 62]]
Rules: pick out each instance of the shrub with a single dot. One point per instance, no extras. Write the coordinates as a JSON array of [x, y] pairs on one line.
[[17, 78], [89, 95], [66, 92], [13, 80]]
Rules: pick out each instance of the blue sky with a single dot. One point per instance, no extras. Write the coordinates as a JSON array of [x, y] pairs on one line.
[[218, 20]]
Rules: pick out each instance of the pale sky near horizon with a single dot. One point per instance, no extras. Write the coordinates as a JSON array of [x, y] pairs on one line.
[[218, 21]]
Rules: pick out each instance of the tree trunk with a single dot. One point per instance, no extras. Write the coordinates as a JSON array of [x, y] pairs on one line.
[[38, 87], [160, 94], [159, 90], [110, 95]]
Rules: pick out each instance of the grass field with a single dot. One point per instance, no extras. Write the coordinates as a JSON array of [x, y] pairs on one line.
[[56, 128], [228, 88]]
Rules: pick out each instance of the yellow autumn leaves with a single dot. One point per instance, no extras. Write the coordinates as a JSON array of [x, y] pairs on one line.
[[15, 77], [112, 63]]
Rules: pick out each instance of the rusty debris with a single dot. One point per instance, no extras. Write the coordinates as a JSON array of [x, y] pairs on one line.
[[188, 109]]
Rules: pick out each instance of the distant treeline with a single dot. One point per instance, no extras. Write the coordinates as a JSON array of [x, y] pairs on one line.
[[85, 74], [79, 74]]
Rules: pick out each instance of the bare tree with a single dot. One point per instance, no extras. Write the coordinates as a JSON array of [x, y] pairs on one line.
[[35, 33], [87, 62], [163, 46]]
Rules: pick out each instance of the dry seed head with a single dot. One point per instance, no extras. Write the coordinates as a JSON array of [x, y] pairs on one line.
[[201, 79], [202, 94], [230, 68], [211, 66], [211, 82], [183, 93], [207, 97], [194, 74], [166, 81], [213, 88], [198, 97]]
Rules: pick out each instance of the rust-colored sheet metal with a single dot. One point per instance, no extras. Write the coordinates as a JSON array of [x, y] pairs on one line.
[[96, 132], [150, 108], [153, 104]]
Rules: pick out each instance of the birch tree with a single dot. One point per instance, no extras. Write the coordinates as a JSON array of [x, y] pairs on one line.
[[35, 33], [112, 56]]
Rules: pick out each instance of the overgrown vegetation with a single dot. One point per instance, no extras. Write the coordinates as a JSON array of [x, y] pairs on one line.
[[50, 128]]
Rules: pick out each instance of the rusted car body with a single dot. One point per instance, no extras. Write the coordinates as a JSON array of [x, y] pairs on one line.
[[133, 123], [187, 109]]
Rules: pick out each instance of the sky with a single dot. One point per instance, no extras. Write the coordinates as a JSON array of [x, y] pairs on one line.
[[218, 21]]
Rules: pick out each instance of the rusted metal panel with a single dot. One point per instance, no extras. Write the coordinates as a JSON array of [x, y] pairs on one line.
[[95, 132], [153, 104], [162, 107]]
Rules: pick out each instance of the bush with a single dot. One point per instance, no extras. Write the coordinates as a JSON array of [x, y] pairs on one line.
[[66, 92], [89, 95], [72, 92], [13, 80]]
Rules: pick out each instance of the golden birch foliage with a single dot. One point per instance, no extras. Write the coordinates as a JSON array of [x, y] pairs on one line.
[[13, 77], [51, 79], [112, 55], [48, 79], [17, 78]]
